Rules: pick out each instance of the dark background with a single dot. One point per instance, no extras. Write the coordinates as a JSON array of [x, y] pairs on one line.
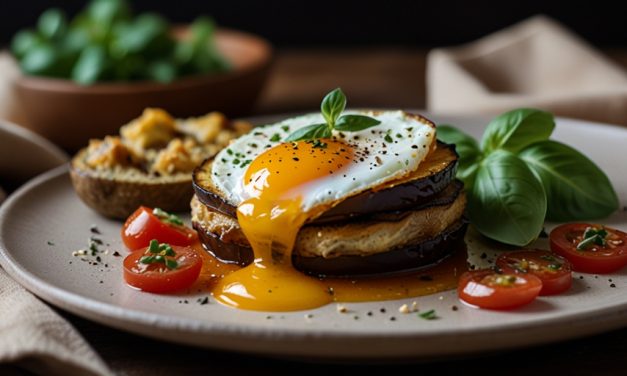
[[359, 23]]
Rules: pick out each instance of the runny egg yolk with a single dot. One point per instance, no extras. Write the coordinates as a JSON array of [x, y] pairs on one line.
[[271, 218]]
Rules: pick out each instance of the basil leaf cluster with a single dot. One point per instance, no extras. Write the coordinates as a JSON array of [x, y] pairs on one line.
[[107, 42], [517, 177], [332, 106]]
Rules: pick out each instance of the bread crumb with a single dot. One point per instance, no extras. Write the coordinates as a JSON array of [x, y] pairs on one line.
[[341, 308], [408, 309]]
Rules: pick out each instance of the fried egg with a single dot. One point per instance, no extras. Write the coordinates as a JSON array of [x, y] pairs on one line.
[[277, 186], [351, 163]]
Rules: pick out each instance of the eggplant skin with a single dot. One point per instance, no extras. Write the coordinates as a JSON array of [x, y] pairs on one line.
[[118, 199], [402, 260], [413, 191]]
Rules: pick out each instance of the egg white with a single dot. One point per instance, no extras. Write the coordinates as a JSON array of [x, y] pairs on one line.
[[411, 135]]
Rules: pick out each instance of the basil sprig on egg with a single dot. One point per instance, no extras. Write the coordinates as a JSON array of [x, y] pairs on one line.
[[518, 177], [331, 108]]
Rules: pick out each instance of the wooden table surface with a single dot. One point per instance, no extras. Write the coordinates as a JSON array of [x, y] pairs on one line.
[[385, 78]]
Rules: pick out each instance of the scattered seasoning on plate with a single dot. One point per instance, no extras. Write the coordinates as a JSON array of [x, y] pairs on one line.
[[94, 230], [203, 301], [50, 243], [428, 315], [613, 285], [454, 308]]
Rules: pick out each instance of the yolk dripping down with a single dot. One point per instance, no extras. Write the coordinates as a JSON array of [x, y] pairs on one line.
[[271, 218]]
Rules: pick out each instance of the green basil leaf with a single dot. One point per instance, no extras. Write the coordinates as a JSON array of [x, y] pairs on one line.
[[310, 132], [108, 11], [23, 41], [162, 71], [507, 202], [466, 147], [576, 188], [353, 123], [90, 65], [332, 106], [40, 60], [514, 130], [52, 23]]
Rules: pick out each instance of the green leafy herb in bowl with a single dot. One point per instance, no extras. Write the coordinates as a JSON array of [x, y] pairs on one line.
[[517, 177], [106, 42]]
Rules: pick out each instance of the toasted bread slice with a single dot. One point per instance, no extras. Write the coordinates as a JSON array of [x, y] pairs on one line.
[[150, 163]]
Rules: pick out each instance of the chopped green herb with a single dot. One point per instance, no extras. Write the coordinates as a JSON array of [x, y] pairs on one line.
[[398, 135], [246, 163], [171, 264], [154, 246], [554, 266], [592, 237], [167, 217], [388, 138], [147, 259], [229, 151], [275, 137], [286, 128], [428, 315], [161, 253], [257, 133], [236, 161], [224, 160]]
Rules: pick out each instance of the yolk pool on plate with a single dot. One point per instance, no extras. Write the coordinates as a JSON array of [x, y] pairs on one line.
[[271, 218]]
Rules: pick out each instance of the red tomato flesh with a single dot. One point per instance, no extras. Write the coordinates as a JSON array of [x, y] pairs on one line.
[[553, 270], [489, 289], [157, 277], [143, 226], [598, 259]]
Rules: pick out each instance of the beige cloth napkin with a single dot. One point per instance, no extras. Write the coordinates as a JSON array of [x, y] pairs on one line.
[[35, 338], [32, 336], [536, 63]]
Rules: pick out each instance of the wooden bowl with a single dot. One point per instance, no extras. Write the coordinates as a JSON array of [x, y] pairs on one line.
[[69, 114]]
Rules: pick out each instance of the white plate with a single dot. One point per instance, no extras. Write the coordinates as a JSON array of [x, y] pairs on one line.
[[24, 154], [47, 209]]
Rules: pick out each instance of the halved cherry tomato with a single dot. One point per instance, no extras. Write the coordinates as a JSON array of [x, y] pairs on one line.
[[160, 277], [489, 289], [554, 271], [591, 258], [143, 226]]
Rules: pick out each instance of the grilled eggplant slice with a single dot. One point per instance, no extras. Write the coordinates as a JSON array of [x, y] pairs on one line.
[[433, 176]]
